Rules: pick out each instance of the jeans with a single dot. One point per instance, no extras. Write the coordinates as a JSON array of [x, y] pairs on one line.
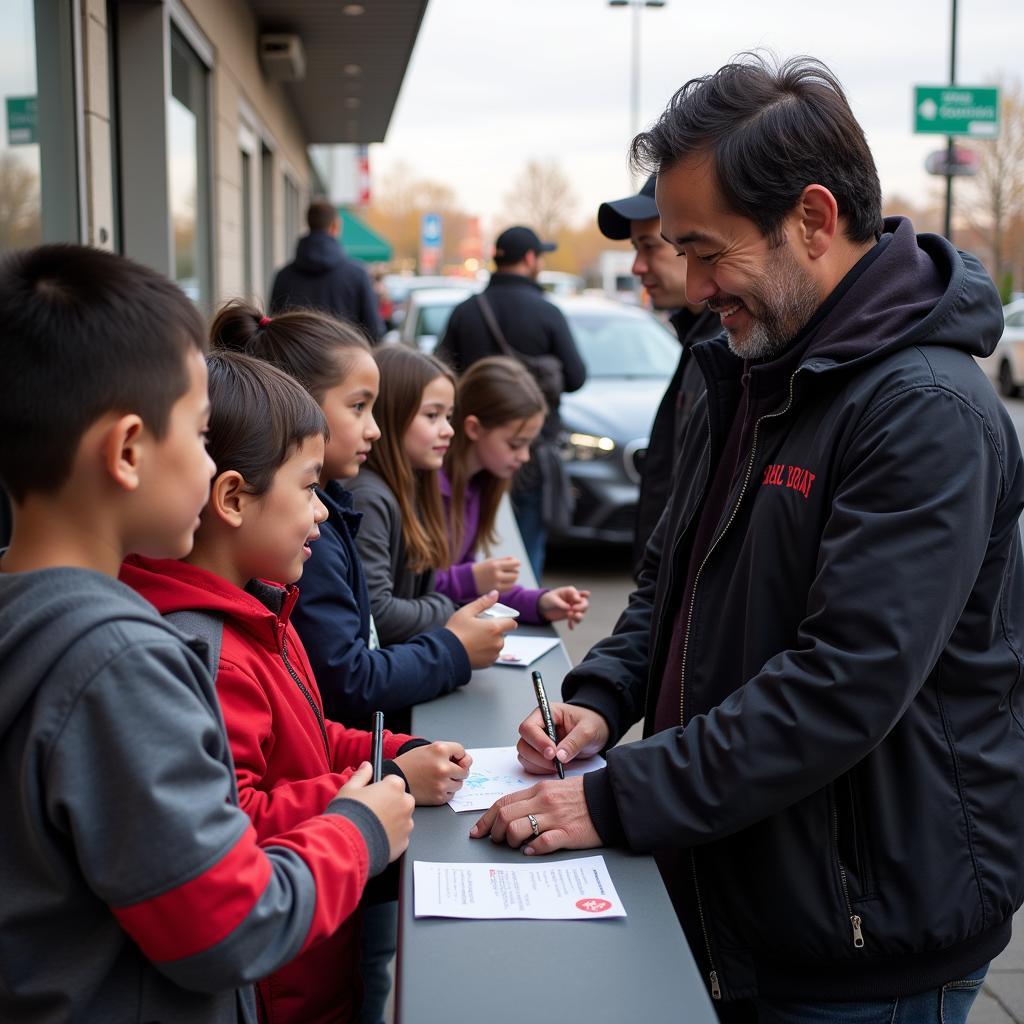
[[379, 942], [949, 1004], [528, 508]]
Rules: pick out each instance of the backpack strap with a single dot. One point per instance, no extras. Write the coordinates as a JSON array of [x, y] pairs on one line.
[[203, 626]]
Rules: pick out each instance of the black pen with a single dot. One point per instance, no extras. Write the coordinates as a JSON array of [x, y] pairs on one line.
[[545, 710], [378, 744]]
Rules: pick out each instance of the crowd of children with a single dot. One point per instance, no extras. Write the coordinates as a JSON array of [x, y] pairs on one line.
[[192, 822]]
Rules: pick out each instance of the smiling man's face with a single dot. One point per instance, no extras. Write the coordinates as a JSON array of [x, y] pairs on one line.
[[761, 291]]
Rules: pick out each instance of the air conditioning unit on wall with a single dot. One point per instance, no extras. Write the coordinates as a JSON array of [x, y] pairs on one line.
[[282, 57]]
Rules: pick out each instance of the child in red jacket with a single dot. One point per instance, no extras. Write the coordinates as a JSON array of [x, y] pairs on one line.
[[266, 436]]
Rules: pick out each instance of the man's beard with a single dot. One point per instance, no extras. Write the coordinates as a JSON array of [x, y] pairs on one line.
[[787, 298]]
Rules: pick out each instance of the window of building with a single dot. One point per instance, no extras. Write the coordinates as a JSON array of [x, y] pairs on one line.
[[291, 213], [267, 216], [189, 171], [39, 180]]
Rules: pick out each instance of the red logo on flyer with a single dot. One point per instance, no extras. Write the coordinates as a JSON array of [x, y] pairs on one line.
[[593, 905]]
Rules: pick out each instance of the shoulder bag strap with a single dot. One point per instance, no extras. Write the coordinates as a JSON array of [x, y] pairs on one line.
[[492, 324]]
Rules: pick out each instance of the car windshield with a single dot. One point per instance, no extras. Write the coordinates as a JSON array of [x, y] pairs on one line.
[[433, 319], [619, 345]]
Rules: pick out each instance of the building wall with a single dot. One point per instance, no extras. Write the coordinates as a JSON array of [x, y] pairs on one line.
[[239, 94]]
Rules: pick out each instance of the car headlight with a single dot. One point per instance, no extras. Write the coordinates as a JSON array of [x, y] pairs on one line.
[[586, 447]]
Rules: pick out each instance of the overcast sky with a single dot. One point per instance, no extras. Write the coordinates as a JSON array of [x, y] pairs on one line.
[[494, 83]]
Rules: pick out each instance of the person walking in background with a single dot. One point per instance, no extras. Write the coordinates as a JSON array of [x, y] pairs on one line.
[[511, 317], [322, 277], [663, 275]]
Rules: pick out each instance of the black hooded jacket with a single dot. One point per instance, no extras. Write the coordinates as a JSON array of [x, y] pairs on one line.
[[840, 813], [322, 277]]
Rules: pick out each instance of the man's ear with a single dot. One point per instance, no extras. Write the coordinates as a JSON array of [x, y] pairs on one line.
[[229, 498], [123, 450], [818, 220], [472, 428]]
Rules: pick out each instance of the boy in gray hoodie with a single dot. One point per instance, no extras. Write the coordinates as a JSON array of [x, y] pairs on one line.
[[134, 889]]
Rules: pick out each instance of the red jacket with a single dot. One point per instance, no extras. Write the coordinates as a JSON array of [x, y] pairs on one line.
[[289, 760]]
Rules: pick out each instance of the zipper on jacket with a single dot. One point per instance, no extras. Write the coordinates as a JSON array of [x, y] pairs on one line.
[[309, 697], [855, 921], [716, 989], [782, 410]]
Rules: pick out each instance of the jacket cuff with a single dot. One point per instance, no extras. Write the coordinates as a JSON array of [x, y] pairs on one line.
[[604, 812], [390, 768], [370, 829], [606, 704], [460, 659]]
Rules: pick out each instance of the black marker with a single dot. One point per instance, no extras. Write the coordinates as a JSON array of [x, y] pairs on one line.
[[378, 744], [545, 710]]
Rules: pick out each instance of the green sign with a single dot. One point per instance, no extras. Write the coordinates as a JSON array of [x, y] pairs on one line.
[[957, 110], [22, 120]]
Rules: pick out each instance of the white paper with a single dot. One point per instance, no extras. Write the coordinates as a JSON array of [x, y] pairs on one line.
[[553, 890], [497, 771], [520, 651]]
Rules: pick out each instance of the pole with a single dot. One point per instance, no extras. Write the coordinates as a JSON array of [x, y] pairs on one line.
[[634, 90], [948, 229]]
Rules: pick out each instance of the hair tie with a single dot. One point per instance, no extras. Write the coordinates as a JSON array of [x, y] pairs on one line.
[[264, 320]]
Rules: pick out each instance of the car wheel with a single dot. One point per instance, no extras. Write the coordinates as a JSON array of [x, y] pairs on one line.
[[1007, 387]]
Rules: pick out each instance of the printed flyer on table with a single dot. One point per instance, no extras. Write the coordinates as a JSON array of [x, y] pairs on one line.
[[563, 890]]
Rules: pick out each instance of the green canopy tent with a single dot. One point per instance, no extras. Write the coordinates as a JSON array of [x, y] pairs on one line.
[[361, 242]]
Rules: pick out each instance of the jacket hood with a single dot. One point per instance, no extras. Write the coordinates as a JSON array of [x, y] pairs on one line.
[[173, 586], [340, 505], [66, 604], [317, 252]]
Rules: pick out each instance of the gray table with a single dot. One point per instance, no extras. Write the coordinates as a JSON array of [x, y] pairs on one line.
[[633, 968]]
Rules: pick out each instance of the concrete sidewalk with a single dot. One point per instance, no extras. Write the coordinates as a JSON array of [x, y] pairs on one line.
[[1001, 1000]]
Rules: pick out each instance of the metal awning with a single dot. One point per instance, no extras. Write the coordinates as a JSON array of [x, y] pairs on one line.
[[335, 103], [361, 242]]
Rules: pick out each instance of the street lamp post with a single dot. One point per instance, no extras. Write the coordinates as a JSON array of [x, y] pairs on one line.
[[634, 76]]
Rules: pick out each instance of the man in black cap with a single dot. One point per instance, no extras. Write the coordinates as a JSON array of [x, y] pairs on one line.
[[663, 275], [512, 317]]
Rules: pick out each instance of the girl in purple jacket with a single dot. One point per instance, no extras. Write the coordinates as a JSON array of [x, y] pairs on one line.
[[499, 413]]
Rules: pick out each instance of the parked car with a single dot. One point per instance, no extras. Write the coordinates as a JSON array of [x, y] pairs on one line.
[[400, 286], [1006, 364], [427, 311], [630, 357]]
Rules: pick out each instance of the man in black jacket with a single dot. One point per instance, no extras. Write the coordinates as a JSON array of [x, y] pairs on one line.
[[826, 640], [532, 326], [663, 276], [322, 277]]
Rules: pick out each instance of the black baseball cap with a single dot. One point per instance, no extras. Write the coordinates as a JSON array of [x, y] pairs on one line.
[[614, 218], [514, 243]]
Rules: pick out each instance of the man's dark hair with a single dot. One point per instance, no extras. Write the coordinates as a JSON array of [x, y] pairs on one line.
[[321, 215], [259, 416], [770, 130], [83, 333]]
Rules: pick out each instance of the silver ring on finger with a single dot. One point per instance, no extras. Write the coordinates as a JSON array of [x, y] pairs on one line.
[[534, 825]]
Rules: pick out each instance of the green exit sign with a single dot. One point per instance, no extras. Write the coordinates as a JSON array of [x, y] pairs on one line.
[[957, 110], [22, 119]]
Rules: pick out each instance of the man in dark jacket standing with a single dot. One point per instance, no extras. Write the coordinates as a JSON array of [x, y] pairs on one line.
[[531, 326], [826, 639], [663, 275], [322, 277]]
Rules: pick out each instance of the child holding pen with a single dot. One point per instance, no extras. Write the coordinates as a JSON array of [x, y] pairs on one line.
[[499, 413], [266, 435]]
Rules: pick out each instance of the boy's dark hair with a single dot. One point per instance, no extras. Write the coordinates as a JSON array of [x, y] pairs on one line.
[[312, 347], [258, 417], [84, 333], [321, 215], [770, 130]]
